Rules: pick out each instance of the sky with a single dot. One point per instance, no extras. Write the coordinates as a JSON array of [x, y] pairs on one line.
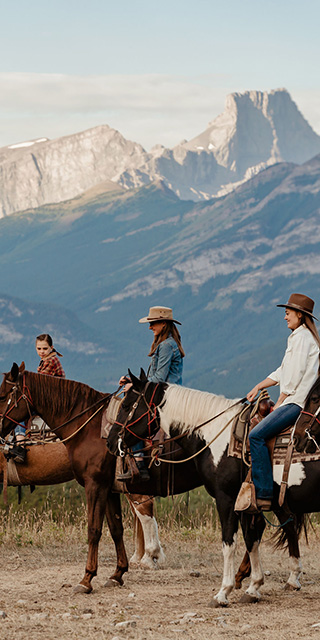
[[156, 71]]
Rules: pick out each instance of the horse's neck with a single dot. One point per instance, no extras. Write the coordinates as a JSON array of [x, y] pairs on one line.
[[53, 412]]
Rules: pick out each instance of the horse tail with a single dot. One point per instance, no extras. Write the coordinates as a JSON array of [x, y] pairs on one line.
[[293, 525]]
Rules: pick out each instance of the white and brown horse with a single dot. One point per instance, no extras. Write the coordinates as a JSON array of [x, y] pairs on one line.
[[202, 421]]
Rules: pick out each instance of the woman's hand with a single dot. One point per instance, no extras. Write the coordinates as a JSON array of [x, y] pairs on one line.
[[264, 384], [253, 393], [125, 383]]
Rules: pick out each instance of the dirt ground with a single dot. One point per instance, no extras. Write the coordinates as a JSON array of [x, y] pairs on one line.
[[37, 601]]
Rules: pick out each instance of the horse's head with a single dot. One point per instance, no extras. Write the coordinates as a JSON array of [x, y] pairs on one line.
[[137, 417], [307, 428], [14, 400]]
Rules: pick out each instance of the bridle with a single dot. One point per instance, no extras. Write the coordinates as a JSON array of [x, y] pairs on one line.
[[151, 412], [308, 429], [14, 400]]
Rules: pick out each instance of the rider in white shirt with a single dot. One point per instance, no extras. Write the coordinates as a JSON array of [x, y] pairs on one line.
[[296, 375]]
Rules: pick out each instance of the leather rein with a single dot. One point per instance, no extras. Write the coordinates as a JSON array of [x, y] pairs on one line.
[[152, 409]]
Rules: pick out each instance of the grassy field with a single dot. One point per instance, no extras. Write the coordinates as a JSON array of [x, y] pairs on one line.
[[50, 514]]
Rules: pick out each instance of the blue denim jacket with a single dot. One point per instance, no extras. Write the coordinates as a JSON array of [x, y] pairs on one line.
[[166, 363]]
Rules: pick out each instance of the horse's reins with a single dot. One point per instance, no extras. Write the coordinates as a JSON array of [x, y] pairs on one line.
[[125, 426], [197, 453]]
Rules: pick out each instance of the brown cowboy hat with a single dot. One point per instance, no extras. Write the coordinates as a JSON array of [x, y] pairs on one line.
[[299, 302], [159, 314]]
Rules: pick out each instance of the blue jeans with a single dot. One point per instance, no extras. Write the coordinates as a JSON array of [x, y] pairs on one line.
[[20, 430], [137, 449], [270, 426]]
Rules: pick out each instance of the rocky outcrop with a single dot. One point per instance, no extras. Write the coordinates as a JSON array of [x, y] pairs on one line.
[[44, 171], [256, 129]]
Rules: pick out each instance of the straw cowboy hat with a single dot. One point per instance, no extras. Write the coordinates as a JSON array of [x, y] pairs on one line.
[[158, 314], [299, 302]]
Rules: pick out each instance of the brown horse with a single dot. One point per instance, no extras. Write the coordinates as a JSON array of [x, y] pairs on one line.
[[48, 463]]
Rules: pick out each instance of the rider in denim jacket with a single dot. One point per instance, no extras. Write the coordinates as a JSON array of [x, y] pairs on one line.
[[166, 363], [166, 366]]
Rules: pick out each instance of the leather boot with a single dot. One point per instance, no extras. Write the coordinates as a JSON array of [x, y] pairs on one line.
[[18, 454]]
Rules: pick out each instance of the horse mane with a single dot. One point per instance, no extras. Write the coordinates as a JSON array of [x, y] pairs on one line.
[[61, 394], [186, 408]]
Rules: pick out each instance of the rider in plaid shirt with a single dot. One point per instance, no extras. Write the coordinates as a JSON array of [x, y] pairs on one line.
[[49, 363], [51, 366]]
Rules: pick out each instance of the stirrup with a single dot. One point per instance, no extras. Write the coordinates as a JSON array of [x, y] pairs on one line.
[[123, 477]]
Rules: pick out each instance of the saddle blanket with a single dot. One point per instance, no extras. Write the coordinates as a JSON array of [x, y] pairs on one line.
[[235, 449]]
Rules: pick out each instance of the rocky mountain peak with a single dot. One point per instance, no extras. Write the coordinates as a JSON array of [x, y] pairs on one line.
[[256, 129]]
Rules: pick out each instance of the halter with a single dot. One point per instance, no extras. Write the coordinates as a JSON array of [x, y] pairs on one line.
[[13, 401], [308, 433], [152, 418]]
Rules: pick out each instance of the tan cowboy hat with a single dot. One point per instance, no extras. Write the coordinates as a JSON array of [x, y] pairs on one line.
[[159, 314], [299, 302]]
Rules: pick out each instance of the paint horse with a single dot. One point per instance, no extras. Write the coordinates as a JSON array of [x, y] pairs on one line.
[[48, 463], [202, 421]]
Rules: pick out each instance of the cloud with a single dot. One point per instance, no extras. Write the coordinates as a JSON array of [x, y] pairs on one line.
[[56, 92], [147, 108]]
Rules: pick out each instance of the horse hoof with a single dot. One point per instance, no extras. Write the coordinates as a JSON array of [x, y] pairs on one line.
[[292, 587], [81, 588], [215, 604], [248, 599], [112, 583]]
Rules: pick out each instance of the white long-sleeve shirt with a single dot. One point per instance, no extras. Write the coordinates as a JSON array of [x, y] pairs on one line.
[[299, 368]]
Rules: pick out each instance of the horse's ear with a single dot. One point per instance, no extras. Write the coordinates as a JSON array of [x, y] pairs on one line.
[[135, 381], [143, 376], [14, 372], [22, 367]]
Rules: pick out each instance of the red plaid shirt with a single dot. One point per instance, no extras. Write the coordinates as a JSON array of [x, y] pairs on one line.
[[51, 366]]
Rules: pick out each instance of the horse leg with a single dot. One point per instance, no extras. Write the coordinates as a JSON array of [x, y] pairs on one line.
[[138, 535], [253, 528], [229, 525], [96, 505], [139, 548], [290, 535], [153, 555], [244, 571], [114, 519]]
